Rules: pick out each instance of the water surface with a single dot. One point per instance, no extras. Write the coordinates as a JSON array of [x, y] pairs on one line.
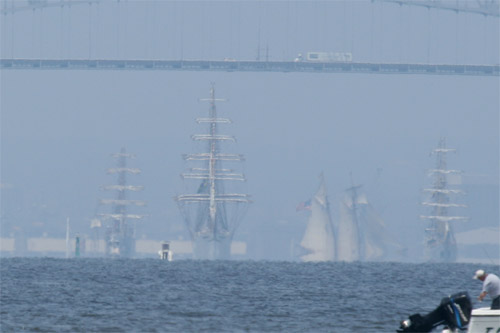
[[148, 295]]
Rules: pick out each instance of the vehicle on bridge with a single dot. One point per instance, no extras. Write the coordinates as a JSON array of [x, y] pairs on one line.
[[324, 57]]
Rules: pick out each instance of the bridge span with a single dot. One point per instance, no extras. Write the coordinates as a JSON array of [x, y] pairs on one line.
[[251, 66]]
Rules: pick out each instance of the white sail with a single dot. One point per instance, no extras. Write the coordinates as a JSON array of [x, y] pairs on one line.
[[319, 239], [361, 233], [124, 170], [347, 234], [122, 188]]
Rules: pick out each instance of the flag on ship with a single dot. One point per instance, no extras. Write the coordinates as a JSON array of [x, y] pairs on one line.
[[304, 205]]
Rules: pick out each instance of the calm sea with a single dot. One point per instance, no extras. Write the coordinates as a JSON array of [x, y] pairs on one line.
[[148, 295]]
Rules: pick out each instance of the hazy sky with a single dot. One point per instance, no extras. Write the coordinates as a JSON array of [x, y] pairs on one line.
[[58, 128]]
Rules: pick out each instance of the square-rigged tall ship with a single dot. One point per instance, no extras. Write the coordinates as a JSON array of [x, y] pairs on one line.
[[119, 224], [440, 243], [214, 208]]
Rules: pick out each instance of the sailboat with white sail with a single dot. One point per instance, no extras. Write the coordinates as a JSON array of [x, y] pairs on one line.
[[319, 238], [359, 233], [362, 235]]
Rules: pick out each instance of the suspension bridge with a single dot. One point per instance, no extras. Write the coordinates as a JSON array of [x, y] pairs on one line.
[[15, 37], [252, 66]]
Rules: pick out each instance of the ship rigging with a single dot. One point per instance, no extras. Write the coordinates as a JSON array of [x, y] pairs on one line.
[[119, 224], [440, 243], [214, 208]]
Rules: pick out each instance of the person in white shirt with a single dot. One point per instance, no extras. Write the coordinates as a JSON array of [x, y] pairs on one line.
[[491, 286]]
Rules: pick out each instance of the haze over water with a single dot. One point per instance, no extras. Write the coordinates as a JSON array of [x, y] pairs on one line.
[[59, 127]]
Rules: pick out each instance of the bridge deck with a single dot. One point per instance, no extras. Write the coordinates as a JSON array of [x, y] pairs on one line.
[[252, 66]]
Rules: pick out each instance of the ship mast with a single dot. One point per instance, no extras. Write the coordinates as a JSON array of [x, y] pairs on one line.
[[213, 151], [353, 190], [119, 231], [206, 212], [440, 239]]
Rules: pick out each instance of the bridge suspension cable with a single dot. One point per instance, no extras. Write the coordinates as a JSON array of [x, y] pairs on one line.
[[41, 4], [484, 7]]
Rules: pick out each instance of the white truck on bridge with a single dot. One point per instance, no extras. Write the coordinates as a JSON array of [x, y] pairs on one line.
[[325, 57]]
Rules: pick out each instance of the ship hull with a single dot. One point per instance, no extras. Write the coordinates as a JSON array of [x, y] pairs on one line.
[[204, 249]]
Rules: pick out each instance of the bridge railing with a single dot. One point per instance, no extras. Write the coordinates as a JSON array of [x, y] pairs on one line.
[[252, 66]]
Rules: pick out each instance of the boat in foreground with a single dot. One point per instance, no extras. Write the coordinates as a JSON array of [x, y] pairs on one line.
[[484, 320], [455, 314]]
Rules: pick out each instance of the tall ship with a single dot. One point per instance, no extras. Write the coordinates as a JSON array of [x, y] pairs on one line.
[[213, 206], [440, 243], [118, 221], [318, 242]]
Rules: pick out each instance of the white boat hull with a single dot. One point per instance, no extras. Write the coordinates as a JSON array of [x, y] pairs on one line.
[[484, 320]]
